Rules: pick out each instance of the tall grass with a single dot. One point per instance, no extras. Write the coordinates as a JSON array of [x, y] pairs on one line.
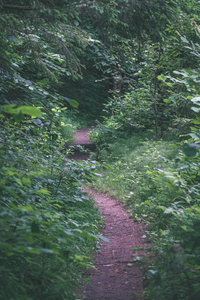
[[160, 185], [126, 163]]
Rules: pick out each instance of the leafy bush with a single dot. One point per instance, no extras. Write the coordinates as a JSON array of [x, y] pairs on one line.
[[48, 225], [132, 112], [159, 181], [176, 212]]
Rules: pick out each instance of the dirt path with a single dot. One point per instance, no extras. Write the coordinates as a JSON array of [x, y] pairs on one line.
[[82, 137], [117, 276]]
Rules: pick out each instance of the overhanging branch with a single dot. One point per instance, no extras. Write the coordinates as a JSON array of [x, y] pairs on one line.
[[12, 6]]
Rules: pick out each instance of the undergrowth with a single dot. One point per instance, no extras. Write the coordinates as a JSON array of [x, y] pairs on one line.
[[48, 226], [159, 181]]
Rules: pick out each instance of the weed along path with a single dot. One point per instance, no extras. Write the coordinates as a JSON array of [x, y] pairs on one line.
[[116, 275]]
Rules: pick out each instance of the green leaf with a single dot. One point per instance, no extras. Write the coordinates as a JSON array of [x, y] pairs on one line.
[[88, 235], [26, 180], [105, 239], [167, 100], [169, 210], [68, 232], [26, 110], [45, 192], [196, 109], [161, 77], [72, 102], [10, 109], [30, 110], [138, 249], [194, 128], [33, 250], [196, 100], [184, 40], [45, 250], [196, 121], [26, 207]]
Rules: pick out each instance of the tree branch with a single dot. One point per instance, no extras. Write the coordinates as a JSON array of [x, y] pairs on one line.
[[12, 6]]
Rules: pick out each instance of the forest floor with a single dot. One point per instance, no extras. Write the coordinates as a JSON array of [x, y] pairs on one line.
[[117, 275]]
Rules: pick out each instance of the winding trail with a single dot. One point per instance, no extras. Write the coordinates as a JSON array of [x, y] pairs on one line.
[[82, 137], [117, 276]]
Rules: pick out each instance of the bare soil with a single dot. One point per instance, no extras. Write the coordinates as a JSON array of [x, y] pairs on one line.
[[117, 275], [82, 137]]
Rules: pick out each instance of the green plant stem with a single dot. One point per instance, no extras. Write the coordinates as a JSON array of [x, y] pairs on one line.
[[155, 91]]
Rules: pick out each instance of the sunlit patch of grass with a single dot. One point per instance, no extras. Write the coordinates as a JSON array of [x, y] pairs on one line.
[[160, 185], [125, 169]]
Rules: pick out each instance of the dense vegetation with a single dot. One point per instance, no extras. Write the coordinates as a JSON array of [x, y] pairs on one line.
[[49, 227], [134, 66], [149, 147]]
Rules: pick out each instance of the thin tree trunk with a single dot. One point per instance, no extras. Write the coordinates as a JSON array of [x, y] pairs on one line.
[[155, 92]]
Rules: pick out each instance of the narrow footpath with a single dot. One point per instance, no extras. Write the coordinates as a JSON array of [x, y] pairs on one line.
[[116, 276]]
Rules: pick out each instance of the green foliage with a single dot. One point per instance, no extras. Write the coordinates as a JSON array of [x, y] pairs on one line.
[[151, 18], [132, 112], [89, 93], [48, 225], [157, 83], [128, 160], [161, 185], [59, 55], [159, 181]]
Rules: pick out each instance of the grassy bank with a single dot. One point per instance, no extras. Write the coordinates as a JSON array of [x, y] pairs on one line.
[[159, 182]]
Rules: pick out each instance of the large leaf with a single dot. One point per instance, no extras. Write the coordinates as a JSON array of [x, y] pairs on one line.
[[30, 110], [25, 110], [72, 102]]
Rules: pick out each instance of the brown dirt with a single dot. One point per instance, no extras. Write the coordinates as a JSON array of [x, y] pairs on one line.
[[82, 137], [117, 275]]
